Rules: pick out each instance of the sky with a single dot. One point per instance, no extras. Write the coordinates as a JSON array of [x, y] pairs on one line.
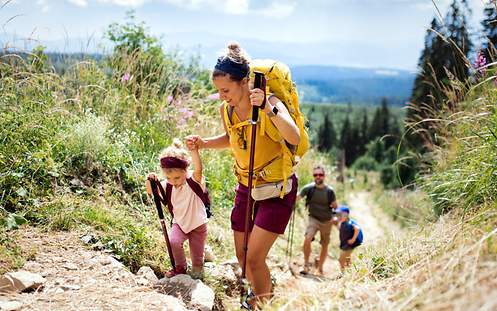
[[353, 33]]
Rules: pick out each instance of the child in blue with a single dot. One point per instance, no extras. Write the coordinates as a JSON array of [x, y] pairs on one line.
[[350, 236]]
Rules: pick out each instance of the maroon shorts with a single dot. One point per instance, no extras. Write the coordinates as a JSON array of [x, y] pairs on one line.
[[271, 214]]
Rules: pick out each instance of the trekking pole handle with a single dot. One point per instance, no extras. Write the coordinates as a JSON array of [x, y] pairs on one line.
[[259, 83], [153, 185]]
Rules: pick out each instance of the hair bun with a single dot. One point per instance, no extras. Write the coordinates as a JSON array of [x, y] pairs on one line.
[[234, 46], [235, 52], [177, 143]]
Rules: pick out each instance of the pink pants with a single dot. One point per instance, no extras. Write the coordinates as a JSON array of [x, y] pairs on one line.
[[196, 238]]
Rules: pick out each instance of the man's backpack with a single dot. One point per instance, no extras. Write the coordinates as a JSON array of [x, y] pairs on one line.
[[204, 196], [311, 191]]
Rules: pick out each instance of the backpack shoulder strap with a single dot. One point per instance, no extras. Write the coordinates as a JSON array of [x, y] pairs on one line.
[[310, 194], [197, 189], [330, 195], [203, 195]]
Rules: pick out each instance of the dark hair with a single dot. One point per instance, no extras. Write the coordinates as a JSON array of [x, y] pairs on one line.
[[319, 167], [234, 63]]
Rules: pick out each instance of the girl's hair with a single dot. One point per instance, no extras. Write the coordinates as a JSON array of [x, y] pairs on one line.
[[176, 150], [237, 56]]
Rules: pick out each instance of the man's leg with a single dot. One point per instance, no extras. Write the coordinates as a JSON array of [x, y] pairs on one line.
[[322, 256], [310, 232], [325, 232], [307, 252]]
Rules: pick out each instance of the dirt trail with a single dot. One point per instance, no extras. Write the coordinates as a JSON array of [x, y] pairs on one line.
[[375, 225], [82, 279]]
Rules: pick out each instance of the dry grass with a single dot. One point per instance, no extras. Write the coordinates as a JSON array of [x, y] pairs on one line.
[[447, 265]]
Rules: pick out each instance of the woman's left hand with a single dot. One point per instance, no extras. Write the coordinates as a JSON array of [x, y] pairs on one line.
[[257, 98]]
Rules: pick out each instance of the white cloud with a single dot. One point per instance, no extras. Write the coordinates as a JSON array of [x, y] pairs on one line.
[[81, 3], [132, 3], [279, 9], [386, 72], [276, 8], [237, 7], [44, 5]]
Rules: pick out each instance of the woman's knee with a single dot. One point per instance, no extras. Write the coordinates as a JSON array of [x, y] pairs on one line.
[[256, 262]]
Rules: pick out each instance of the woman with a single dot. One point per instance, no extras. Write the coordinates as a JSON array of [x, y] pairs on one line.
[[271, 216]]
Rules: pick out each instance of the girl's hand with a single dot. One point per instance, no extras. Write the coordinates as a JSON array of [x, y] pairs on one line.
[[194, 142], [152, 176], [257, 98]]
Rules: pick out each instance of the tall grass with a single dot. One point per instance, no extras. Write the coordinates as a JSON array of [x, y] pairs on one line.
[[75, 145], [464, 174]]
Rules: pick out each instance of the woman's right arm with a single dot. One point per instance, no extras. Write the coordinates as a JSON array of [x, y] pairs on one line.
[[215, 142]]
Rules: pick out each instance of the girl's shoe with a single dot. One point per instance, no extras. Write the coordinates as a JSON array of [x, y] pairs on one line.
[[174, 272]]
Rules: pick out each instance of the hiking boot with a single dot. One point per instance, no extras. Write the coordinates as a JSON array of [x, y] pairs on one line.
[[306, 269], [247, 303], [174, 272]]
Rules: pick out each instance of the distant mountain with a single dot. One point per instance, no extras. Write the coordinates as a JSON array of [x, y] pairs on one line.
[[355, 85]]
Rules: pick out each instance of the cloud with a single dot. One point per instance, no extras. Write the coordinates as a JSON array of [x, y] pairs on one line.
[[44, 5], [279, 9], [236, 7], [386, 72], [80, 3], [275, 8], [132, 3]]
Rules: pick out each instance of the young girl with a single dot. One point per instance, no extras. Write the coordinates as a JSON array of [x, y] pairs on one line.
[[189, 214]]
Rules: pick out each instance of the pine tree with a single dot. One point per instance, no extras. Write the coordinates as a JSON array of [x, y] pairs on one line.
[[385, 117], [364, 133], [326, 135], [443, 60], [375, 130]]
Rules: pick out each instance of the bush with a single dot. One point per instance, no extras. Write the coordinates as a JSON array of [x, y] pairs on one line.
[[365, 163]]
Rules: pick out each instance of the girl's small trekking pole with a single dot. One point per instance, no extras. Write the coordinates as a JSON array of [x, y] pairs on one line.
[[154, 184]]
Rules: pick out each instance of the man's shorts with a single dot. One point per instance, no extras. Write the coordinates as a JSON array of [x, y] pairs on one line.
[[324, 229]]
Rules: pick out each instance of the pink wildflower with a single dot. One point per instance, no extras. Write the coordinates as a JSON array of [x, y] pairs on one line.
[[169, 99], [480, 63], [214, 96], [126, 77]]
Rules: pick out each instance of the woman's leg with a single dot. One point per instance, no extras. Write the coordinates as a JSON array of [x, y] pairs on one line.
[[238, 237], [259, 245], [177, 238], [196, 239]]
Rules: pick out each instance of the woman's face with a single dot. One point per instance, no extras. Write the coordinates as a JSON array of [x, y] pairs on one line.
[[231, 91]]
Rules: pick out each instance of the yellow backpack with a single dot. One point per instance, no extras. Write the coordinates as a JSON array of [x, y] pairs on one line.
[[278, 83]]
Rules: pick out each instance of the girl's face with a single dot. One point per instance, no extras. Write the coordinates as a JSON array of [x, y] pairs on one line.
[[233, 92], [175, 177]]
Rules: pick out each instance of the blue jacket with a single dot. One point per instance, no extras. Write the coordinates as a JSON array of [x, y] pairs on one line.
[[347, 232]]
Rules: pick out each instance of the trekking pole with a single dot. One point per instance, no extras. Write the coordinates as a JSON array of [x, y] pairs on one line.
[[154, 184], [259, 82], [290, 243]]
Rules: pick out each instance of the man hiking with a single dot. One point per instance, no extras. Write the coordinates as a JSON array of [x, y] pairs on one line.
[[321, 203]]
